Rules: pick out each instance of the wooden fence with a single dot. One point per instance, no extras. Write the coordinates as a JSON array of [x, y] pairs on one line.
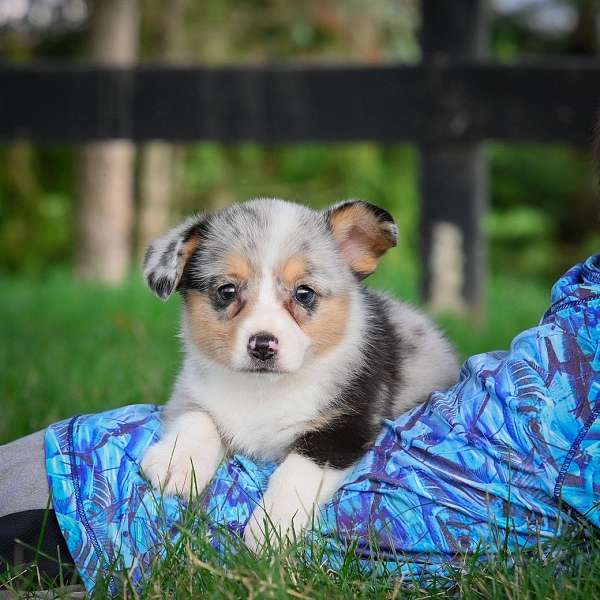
[[448, 105]]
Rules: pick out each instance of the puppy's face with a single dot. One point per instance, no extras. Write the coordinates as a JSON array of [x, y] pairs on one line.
[[267, 284]]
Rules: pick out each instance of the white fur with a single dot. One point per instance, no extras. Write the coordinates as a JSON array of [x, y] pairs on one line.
[[431, 361], [296, 488]]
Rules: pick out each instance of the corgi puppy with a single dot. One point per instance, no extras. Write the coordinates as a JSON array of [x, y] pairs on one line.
[[288, 357]]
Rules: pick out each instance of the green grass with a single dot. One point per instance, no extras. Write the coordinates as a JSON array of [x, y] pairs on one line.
[[68, 348]]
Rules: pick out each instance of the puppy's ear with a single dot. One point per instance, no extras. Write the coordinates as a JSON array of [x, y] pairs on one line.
[[363, 233], [167, 256]]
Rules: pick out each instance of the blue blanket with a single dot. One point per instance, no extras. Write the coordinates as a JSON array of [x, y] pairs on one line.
[[508, 456]]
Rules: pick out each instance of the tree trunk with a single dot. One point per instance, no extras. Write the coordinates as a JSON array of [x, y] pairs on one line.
[[106, 168], [159, 160], [156, 191]]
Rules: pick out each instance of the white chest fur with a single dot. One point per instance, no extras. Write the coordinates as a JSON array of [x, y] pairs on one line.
[[260, 415]]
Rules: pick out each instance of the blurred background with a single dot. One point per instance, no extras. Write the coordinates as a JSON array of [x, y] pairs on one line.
[[78, 331]]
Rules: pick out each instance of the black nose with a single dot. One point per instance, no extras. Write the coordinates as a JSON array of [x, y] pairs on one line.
[[263, 346]]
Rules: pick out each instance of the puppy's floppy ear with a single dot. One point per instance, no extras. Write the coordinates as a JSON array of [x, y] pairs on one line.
[[363, 233], [167, 256]]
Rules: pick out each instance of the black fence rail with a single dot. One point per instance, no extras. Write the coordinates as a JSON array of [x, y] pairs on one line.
[[448, 105], [438, 103]]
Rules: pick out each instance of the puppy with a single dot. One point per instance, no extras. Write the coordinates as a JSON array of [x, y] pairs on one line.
[[288, 357]]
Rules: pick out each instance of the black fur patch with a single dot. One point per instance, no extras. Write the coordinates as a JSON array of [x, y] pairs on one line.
[[366, 399], [163, 286], [187, 281]]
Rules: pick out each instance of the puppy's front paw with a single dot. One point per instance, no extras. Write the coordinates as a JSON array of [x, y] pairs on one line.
[[261, 528], [296, 489], [174, 470], [257, 529], [282, 523]]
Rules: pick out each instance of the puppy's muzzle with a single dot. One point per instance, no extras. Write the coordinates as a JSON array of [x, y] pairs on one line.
[[263, 346]]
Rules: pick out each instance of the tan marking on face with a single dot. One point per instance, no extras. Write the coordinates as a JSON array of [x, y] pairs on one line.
[[293, 270], [361, 237], [214, 336], [237, 266], [327, 325]]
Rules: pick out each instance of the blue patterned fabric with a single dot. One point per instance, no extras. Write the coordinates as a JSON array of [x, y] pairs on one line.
[[507, 457]]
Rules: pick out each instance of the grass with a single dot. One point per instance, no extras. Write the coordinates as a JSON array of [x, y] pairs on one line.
[[70, 348]]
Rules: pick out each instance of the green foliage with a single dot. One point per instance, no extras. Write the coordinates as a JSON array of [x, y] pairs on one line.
[[543, 198], [272, 30], [194, 567], [36, 208], [544, 208], [522, 237], [318, 175]]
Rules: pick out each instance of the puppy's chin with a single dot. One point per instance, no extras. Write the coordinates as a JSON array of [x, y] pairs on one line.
[[266, 373], [263, 368]]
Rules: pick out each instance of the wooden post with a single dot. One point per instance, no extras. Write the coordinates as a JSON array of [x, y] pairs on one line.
[[453, 174], [106, 168], [160, 161]]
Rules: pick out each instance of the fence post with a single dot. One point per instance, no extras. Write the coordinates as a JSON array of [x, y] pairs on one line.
[[453, 175]]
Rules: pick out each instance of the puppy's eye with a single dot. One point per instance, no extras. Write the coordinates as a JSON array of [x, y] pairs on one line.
[[304, 295], [227, 292]]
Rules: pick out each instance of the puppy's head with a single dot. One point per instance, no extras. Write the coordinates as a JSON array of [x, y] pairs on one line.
[[267, 285]]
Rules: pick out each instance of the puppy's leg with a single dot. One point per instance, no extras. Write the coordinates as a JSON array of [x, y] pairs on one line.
[[186, 458], [296, 488]]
